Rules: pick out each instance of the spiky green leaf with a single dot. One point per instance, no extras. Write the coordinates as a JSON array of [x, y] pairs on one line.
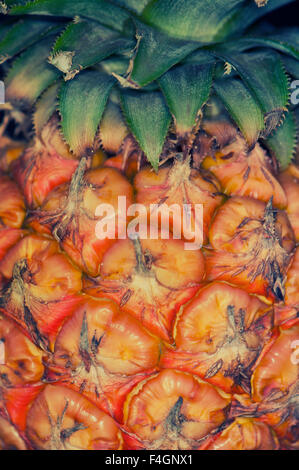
[[45, 107], [81, 104], [200, 57], [242, 107], [156, 54], [85, 43], [264, 75], [103, 11], [186, 89], [23, 34], [115, 64], [149, 119], [286, 41], [282, 143], [30, 74], [197, 20]]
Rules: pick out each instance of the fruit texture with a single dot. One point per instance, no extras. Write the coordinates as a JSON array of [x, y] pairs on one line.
[[59, 419], [69, 213], [150, 279], [244, 434], [44, 165], [174, 410], [39, 287], [120, 329], [103, 353], [221, 348], [242, 172], [179, 185], [252, 245]]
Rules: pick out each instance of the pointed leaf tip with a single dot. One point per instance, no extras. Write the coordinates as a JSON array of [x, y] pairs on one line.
[[81, 104], [242, 107], [265, 77], [31, 74], [186, 89], [282, 143], [149, 119], [85, 43], [156, 53]]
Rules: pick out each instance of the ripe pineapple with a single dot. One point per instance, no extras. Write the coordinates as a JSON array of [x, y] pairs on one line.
[[129, 343]]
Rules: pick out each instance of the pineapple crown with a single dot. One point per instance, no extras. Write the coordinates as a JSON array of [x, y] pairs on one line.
[[153, 66]]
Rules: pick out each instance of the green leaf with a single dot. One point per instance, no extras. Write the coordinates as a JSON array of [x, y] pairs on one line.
[[83, 44], [242, 107], [45, 107], [284, 41], [264, 75], [149, 119], [186, 89], [156, 54], [136, 6], [116, 64], [30, 74], [102, 11], [282, 143], [23, 34], [197, 20], [81, 104], [200, 57]]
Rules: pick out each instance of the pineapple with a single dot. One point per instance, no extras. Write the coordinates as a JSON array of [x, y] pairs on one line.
[[129, 342]]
